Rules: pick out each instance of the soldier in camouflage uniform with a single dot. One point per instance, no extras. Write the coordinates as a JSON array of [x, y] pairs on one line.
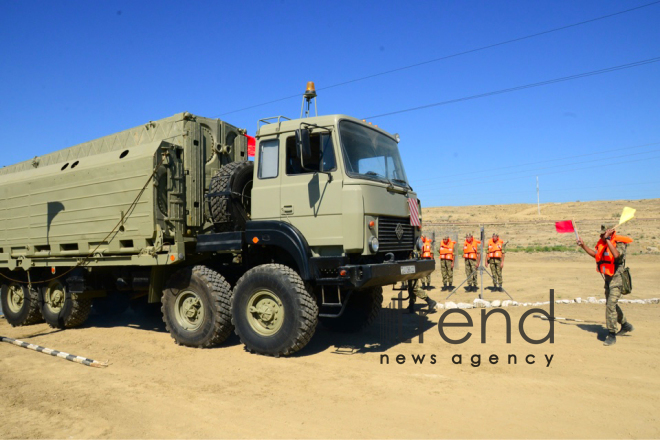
[[414, 292], [427, 254], [447, 262], [495, 258], [472, 258], [610, 256]]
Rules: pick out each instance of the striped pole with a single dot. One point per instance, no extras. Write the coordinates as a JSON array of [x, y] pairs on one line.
[[559, 318], [60, 354]]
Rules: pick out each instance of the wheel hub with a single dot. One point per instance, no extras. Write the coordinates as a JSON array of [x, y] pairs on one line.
[[54, 297], [189, 310], [16, 298], [265, 312]]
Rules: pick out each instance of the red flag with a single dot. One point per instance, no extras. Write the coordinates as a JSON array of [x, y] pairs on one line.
[[414, 212], [565, 227], [251, 145]]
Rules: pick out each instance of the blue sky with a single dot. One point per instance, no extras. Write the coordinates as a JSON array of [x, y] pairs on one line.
[[76, 70]]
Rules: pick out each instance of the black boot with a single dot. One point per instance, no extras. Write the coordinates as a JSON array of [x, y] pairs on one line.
[[625, 329], [432, 305], [610, 339], [411, 307]]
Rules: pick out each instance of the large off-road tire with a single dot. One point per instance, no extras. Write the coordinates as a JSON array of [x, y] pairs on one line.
[[230, 210], [196, 307], [273, 311], [361, 311], [62, 309], [20, 304]]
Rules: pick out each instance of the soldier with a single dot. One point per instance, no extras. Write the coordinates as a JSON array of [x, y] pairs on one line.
[[472, 256], [415, 292], [495, 257], [427, 254], [447, 262], [610, 254]]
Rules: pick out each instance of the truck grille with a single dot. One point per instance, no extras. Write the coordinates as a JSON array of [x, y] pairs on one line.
[[387, 234]]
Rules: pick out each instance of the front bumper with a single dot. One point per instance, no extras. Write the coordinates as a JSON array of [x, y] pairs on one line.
[[372, 275]]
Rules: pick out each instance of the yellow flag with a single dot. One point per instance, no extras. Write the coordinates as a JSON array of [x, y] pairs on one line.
[[627, 214]]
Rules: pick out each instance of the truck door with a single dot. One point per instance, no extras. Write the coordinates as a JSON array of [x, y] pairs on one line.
[[266, 189], [311, 200]]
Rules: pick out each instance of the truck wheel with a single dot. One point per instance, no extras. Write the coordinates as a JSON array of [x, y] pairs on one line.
[[60, 309], [196, 304], [20, 305], [273, 311], [230, 210], [361, 311]]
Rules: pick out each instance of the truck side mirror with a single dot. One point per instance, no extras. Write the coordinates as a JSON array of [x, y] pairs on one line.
[[304, 147]]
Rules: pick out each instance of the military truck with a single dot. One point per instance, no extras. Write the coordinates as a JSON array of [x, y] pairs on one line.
[[174, 211]]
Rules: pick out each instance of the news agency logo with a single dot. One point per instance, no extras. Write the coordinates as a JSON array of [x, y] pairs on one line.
[[399, 326]]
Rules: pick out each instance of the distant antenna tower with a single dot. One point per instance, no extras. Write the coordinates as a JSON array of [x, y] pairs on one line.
[[308, 96], [538, 198]]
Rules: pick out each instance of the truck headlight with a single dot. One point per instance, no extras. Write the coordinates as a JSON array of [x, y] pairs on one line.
[[373, 244], [419, 244]]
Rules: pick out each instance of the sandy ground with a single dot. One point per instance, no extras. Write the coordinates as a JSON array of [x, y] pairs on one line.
[[340, 386]]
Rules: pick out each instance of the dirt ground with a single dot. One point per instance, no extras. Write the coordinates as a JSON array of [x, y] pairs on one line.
[[342, 386], [339, 386]]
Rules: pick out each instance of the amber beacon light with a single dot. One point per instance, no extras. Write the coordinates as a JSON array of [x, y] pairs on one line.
[[308, 96]]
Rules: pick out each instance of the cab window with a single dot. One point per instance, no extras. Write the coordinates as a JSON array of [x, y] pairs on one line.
[[322, 147], [269, 159]]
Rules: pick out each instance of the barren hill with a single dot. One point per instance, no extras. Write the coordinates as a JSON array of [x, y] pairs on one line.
[[523, 227]]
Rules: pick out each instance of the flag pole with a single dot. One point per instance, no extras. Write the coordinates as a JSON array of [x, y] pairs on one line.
[[577, 237]]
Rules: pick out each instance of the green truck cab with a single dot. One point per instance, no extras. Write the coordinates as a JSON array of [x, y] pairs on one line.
[[174, 212]]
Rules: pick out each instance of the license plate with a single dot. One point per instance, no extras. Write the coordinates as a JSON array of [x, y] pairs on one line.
[[405, 270]]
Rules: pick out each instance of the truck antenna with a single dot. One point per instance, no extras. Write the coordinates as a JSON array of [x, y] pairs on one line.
[[309, 95]]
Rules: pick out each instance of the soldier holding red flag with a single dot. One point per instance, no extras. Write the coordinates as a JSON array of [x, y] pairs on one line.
[[610, 255]]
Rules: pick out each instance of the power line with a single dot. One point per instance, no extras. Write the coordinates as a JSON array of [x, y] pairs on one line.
[[446, 57], [558, 172], [555, 190], [599, 153], [526, 86], [546, 168]]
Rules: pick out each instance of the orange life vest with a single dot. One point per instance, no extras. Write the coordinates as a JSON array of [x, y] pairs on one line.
[[495, 248], [470, 250], [426, 249], [447, 250], [605, 260]]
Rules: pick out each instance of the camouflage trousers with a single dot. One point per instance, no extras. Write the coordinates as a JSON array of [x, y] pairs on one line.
[[426, 281], [414, 291], [447, 272], [471, 272], [496, 271], [613, 312]]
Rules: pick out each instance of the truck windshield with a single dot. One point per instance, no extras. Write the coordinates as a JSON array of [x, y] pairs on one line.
[[371, 155]]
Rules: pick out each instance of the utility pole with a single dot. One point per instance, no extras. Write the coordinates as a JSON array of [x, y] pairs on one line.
[[538, 198]]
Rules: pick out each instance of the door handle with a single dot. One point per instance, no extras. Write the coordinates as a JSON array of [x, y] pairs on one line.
[[287, 209]]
